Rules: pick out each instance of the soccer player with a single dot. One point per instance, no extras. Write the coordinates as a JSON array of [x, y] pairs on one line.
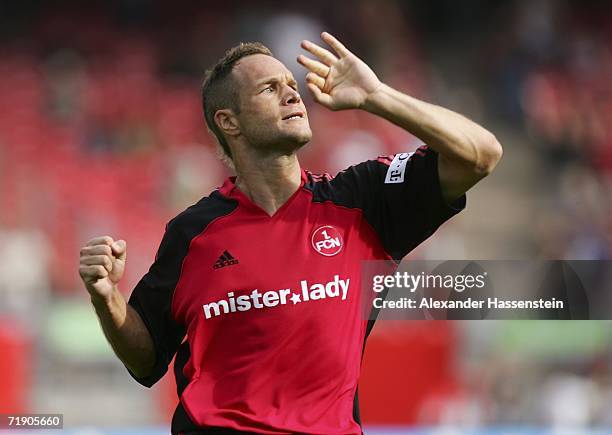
[[256, 288]]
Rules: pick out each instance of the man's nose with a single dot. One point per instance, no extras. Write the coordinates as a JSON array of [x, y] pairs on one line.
[[291, 96]]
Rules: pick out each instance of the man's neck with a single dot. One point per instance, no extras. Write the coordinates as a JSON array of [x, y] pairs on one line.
[[269, 181]]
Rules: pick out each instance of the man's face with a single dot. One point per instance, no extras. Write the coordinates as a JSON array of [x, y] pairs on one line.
[[272, 114]]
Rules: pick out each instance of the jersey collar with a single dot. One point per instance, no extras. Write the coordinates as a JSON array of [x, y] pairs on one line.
[[230, 190]]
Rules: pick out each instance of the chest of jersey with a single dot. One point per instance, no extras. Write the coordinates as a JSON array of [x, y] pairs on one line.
[[251, 265]]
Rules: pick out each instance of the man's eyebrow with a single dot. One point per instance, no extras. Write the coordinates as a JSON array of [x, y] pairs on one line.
[[275, 79], [267, 80]]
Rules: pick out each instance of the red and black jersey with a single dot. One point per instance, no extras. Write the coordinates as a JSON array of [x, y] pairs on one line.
[[263, 312]]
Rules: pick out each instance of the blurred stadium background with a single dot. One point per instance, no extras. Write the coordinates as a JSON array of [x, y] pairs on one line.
[[101, 132]]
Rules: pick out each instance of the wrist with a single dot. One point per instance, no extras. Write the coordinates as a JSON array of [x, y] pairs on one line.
[[103, 302], [374, 99]]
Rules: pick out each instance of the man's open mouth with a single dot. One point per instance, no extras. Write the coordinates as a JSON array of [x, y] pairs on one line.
[[294, 115]]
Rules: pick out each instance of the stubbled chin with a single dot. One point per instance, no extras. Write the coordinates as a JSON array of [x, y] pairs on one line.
[[302, 137], [306, 133]]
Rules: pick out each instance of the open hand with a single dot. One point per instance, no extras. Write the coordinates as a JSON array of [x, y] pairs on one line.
[[338, 80]]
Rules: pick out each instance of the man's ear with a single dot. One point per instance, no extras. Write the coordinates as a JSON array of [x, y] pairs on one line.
[[227, 122]]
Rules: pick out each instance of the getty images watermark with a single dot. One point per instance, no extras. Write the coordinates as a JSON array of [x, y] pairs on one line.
[[458, 283], [487, 290]]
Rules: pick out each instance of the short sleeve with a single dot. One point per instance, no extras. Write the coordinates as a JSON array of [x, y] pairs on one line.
[[401, 198], [152, 300]]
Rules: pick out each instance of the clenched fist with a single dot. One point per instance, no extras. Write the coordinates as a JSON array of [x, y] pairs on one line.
[[102, 265]]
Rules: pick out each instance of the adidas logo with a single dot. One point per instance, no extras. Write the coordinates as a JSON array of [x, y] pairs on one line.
[[225, 259]]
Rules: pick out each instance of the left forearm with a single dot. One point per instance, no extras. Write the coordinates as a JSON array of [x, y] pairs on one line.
[[450, 134]]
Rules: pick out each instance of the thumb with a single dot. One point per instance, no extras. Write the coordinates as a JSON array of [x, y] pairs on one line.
[[119, 249]]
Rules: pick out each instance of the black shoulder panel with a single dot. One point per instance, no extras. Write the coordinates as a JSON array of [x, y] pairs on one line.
[[152, 297], [400, 196]]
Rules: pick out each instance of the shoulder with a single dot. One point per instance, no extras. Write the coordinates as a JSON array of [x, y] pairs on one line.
[[366, 171], [195, 218], [368, 180], [348, 187], [317, 180]]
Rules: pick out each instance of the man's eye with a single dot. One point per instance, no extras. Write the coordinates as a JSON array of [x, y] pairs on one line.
[[269, 88]]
